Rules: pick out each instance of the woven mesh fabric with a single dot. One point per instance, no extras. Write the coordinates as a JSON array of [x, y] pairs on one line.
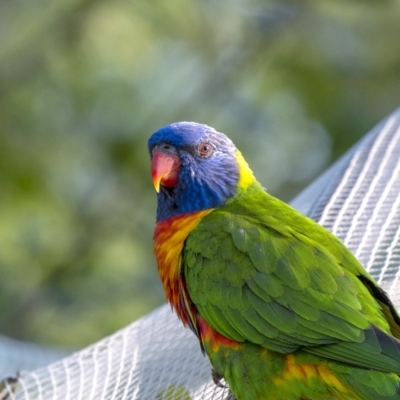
[[15, 355], [156, 358]]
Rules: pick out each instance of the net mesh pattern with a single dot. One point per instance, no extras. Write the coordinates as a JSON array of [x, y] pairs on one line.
[[156, 358], [15, 355]]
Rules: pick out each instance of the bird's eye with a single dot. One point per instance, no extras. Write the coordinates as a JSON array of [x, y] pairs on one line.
[[205, 149]]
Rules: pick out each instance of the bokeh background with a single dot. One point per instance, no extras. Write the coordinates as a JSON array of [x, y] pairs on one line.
[[83, 83]]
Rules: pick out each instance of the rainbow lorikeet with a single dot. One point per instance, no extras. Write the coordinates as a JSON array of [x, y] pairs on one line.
[[281, 307]]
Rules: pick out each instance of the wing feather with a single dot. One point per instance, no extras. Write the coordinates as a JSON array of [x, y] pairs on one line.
[[284, 291]]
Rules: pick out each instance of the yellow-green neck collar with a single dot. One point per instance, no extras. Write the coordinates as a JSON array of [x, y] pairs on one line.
[[246, 174]]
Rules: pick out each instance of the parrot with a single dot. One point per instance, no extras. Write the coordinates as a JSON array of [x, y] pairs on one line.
[[280, 306]]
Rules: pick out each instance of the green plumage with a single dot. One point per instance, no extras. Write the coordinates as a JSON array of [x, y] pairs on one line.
[[266, 276]]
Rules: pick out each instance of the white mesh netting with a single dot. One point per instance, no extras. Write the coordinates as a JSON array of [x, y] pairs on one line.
[[156, 358]]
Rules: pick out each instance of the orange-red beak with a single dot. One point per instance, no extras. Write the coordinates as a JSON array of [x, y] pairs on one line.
[[164, 169]]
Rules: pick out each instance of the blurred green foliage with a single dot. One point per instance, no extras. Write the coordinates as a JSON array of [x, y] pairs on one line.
[[83, 83]]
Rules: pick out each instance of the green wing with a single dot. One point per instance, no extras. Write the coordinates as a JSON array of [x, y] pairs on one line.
[[262, 282]]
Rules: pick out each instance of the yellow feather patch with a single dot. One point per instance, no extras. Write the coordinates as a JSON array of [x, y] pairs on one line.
[[330, 378], [308, 373], [246, 174]]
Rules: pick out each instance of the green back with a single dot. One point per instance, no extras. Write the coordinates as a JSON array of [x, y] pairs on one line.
[[259, 271]]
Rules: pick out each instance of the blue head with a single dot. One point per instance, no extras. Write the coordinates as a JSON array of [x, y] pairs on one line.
[[194, 168]]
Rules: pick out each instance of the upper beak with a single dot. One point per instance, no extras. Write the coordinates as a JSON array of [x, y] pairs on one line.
[[164, 169]]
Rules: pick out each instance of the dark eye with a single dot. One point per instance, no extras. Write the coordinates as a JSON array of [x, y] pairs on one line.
[[205, 149]]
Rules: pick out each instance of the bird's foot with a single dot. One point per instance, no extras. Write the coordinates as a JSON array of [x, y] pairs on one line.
[[217, 378]]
